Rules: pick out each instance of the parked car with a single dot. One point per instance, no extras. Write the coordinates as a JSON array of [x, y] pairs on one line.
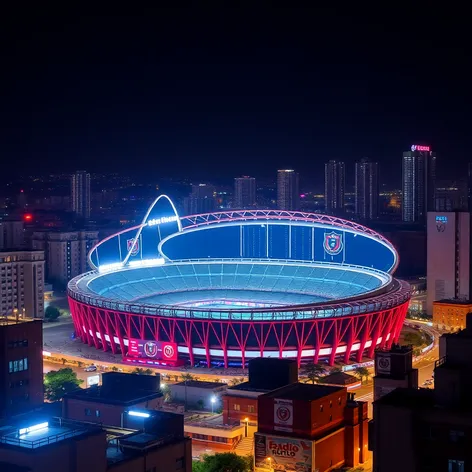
[[91, 368]]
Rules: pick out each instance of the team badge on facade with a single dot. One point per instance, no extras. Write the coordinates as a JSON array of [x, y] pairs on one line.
[[129, 245], [333, 243]]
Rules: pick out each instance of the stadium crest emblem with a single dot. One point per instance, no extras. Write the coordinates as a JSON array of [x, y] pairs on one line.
[[129, 245], [333, 243]]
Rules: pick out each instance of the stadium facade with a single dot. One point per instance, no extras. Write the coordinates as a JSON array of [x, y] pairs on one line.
[[222, 288]]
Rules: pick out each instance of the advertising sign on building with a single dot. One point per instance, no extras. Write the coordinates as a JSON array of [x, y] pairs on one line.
[[282, 454], [159, 350], [283, 415], [383, 363]]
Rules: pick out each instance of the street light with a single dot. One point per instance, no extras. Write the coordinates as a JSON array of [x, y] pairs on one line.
[[212, 401], [246, 426]]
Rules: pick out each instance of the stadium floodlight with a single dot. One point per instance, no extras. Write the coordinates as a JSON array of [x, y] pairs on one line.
[[35, 427], [109, 267], [139, 414], [147, 262]]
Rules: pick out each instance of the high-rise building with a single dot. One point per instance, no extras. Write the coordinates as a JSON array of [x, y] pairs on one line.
[[418, 183], [334, 187], [450, 195], [367, 189], [21, 365], [80, 193], [244, 193], [448, 265], [12, 234], [22, 283], [201, 200], [427, 429], [288, 196], [65, 251]]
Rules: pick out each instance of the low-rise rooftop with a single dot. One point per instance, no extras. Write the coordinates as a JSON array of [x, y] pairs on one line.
[[40, 433], [202, 384], [454, 301], [304, 392], [247, 387], [113, 397]]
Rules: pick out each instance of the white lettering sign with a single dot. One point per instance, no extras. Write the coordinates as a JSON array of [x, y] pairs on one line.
[[164, 219]]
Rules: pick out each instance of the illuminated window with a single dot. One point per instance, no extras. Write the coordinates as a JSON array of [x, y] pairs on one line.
[[251, 409], [236, 407]]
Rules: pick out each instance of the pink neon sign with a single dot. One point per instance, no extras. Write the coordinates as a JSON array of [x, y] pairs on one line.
[[416, 147]]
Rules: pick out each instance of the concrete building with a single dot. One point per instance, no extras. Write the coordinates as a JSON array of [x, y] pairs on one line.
[[21, 365], [367, 189], [418, 182], [12, 235], [44, 444], [448, 257], [109, 402], [451, 315], [22, 283], [80, 193], [244, 193], [394, 369], [265, 374], [335, 187], [450, 195], [197, 393], [428, 429], [65, 252], [201, 200], [310, 428], [288, 195]]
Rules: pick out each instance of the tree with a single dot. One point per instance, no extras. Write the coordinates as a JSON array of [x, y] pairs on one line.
[[141, 371], [362, 372], [313, 372], [201, 404], [224, 462], [59, 382], [114, 368], [187, 377], [336, 369], [235, 381], [52, 313]]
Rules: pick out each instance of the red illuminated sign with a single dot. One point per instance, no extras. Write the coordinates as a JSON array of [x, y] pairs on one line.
[[159, 350], [28, 217], [416, 147]]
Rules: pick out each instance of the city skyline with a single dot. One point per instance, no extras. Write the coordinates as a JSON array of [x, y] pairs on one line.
[[228, 103]]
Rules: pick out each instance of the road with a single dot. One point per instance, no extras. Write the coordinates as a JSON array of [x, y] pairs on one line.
[[58, 340]]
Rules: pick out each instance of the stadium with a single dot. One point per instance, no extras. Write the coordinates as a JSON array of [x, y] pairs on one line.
[[222, 288]]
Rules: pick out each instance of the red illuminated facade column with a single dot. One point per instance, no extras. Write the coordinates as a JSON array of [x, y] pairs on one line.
[[329, 338]]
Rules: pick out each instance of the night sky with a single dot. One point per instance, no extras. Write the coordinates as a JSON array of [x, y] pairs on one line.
[[220, 92]]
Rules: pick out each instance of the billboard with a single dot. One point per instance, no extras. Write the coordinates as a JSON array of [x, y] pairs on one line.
[[159, 350], [282, 454], [283, 415]]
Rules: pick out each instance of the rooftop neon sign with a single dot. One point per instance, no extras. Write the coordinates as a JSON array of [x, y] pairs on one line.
[[417, 147]]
